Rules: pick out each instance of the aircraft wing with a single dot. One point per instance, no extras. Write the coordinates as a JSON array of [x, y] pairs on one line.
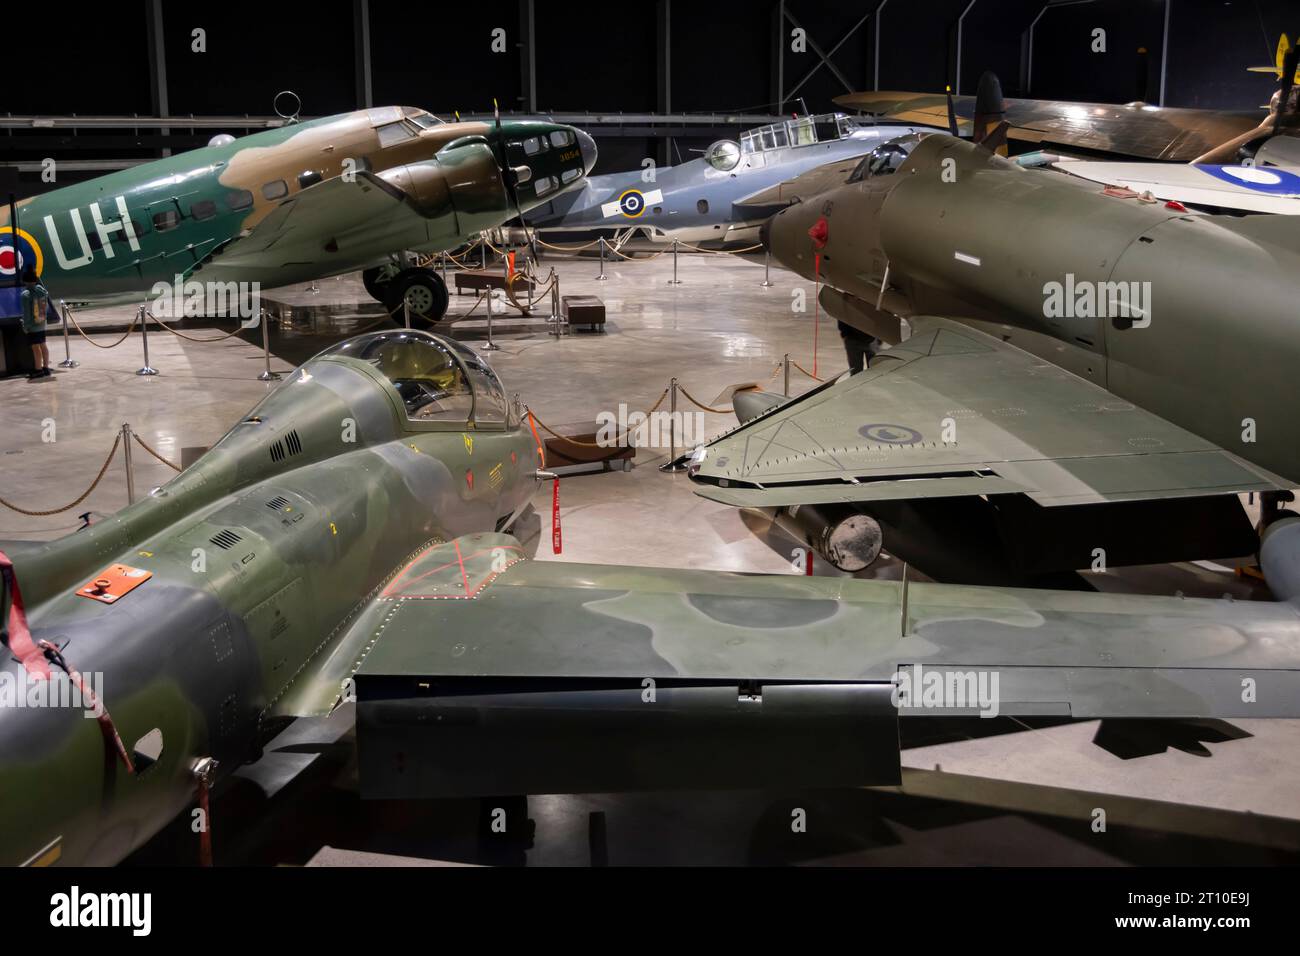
[[953, 411], [1247, 188], [299, 229], [471, 635], [1147, 132], [801, 187]]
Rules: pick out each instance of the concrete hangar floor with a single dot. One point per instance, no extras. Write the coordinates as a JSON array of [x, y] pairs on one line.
[[999, 792]]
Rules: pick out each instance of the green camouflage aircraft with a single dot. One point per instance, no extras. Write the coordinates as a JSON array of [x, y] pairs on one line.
[[345, 541], [1091, 378], [300, 202]]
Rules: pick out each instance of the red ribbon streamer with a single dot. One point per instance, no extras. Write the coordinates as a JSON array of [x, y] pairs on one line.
[[21, 644], [557, 544]]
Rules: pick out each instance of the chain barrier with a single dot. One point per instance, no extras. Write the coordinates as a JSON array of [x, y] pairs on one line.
[[84, 495]]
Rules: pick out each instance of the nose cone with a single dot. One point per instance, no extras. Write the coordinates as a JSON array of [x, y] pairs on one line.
[[588, 147]]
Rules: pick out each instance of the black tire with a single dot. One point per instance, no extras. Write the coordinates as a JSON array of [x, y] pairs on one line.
[[424, 290], [376, 281]]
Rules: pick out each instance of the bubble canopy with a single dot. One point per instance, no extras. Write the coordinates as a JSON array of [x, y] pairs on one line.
[[438, 380]]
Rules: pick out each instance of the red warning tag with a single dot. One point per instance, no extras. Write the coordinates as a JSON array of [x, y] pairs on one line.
[[114, 583], [557, 543]]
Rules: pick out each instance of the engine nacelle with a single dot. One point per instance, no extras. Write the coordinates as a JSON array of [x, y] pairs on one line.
[[464, 179]]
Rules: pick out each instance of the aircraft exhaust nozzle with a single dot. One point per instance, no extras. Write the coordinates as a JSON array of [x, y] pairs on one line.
[[841, 535], [1279, 557]]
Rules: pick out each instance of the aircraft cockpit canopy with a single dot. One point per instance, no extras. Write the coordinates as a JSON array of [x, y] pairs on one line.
[[438, 379], [397, 124], [885, 159], [803, 131]]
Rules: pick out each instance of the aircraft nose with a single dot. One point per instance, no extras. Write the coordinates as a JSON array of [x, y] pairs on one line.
[[588, 147]]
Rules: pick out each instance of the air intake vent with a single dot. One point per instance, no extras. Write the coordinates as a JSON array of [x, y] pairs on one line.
[[291, 444], [225, 539], [278, 503]]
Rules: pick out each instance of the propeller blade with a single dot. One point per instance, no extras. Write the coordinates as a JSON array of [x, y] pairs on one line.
[[952, 114], [1290, 59]]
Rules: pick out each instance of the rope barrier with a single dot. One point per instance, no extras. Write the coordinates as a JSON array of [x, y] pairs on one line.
[[595, 444], [722, 252], [806, 372], [194, 338], [128, 331], [143, 444], [93, 485], [586, 245], [695, 401]]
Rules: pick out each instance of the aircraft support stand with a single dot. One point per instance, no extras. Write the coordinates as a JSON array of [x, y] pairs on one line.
[[146, 369], [785, 363], [268, 375], [68, 361], [767, 269]]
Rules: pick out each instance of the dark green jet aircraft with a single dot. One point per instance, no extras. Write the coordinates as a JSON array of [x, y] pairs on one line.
[[301, 202], [1090, 381], [344, 541]]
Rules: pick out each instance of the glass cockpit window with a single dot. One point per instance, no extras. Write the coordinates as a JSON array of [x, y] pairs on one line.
[[885, 159], [421, 118], [392, 133], [827, 128], [490, 406], [544, 185], [802, 132], [534, 145], [431, 382], [561, 137]]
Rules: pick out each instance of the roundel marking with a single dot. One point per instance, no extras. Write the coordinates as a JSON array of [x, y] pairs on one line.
[[1271, 180], [631, 203], [890, 434], [15, 256]]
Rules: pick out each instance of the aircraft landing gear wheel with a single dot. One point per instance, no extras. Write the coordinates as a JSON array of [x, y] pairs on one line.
[[377, 280], [423, 290]]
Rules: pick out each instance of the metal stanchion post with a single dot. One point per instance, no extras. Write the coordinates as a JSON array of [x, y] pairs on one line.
[[268, 375], [406, 312], [482, 253], [674, 280], [671, 463], [126, 460], [443, 256], [786, 363], [68, 361], [601, 277], [489, 345], [767, 269], [146, 369]]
